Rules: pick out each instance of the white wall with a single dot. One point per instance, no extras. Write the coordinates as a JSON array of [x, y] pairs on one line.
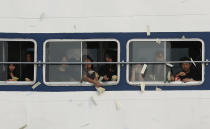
[[50, 16], [75, 110]]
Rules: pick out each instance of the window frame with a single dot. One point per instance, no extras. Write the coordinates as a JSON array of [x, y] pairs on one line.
[[35, 65], [156, 83], [110, 83]]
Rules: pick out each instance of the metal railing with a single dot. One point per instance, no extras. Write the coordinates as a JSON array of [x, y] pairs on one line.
[[122, 62]]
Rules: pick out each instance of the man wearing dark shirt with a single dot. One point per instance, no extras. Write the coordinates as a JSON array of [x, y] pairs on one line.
[[28, 69], [108, 70], [187, 74]]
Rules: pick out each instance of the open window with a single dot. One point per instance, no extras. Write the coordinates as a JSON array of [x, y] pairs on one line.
[[18, 52], [74, 54], [154, 52]]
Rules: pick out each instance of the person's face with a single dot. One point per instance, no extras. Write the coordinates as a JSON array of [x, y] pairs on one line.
[[185, 67], [159, 57], [88, 66], [11, 67], [28, 58], [108, 59]]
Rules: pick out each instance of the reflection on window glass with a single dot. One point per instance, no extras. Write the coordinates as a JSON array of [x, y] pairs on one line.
[[86, 51], [17, 51], [3, 58], [146, 51], [63, 52], [151, 51]]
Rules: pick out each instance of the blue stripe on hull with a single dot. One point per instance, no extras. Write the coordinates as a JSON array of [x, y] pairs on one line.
[[123, 38]]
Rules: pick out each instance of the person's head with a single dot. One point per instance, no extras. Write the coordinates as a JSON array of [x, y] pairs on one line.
[[11, 67], [159, 56], [108, 58], [28, 57], [88, 59], [185, 66]]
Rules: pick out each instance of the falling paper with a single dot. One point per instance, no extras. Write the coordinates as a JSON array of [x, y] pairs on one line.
[[169, 75], [93, 100], [23, 127], [193, 62], [117, 105], [36, 85], [158, 89], [142, 85], [84, 125], [75, 28], [158, 41], [42, 16], [143, 69], [100, 79], [148, 30], [169, 65], [100, 90]]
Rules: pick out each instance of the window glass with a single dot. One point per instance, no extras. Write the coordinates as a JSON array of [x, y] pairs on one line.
[[165, 51], [63, 52], [3, 58], [186, 51], [146, 51], [17, 51], [81, 51], [102, 51]]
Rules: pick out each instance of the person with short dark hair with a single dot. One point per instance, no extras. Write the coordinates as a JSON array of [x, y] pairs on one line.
[[67, 72], [12, 76], [89, 74], [187, 74], [108, 71], [28, 69], [158, 69]]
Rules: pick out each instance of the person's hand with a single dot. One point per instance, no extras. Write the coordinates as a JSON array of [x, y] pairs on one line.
[[15, 78], [27, 79], [172, 78], [98, 84], [181, 74], [187, 80], [64, 59], [114, 78], [106, 78], [11, 75], [100, 90], [136, 68]]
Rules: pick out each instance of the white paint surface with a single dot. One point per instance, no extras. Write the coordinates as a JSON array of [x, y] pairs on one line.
[[70, 16], [74, 110]]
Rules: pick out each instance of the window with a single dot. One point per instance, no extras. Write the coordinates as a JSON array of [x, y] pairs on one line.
[[77, 51], [17, 51], [154, 51]]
